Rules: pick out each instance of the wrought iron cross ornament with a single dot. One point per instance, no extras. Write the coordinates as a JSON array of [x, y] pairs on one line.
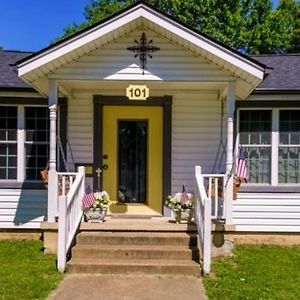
[[143, 49]]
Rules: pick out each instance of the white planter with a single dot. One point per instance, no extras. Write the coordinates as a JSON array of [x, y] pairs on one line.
[[95, 215], [183, 215]]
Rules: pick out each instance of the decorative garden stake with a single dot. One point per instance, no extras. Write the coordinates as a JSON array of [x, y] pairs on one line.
[[143, 49]]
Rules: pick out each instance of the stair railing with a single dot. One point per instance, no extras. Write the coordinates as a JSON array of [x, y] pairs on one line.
[[203, 219], [215, 187], [69, 215]]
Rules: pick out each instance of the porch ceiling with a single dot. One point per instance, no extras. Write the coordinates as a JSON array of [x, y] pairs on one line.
[[157, 88], [37, 69]]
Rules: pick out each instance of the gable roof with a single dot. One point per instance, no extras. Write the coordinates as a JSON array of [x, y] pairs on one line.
[[9, 79], [36, 69], [284, 74], [105, 20]]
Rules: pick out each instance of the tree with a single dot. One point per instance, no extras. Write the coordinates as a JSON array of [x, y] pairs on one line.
[[292, 11], [250, 26]]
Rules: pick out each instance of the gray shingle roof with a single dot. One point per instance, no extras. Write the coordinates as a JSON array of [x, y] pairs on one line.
[[285, 72], [8, 72]]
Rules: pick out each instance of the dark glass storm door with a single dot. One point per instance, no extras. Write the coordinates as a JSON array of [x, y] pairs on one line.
[[132, 161]]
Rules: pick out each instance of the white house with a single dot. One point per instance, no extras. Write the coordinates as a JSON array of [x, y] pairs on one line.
[[205, 101]]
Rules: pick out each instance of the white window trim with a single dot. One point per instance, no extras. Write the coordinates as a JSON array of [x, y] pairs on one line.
[[21, 143], [274, 144]]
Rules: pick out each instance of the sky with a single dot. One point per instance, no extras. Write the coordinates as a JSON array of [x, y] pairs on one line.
[[31, 25]]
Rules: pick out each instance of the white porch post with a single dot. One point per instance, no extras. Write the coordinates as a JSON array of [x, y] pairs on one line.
[[52, 176], [229, 152]]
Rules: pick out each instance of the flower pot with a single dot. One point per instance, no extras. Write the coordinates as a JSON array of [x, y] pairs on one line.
[[95, 215], [183, 215], [187, 215]]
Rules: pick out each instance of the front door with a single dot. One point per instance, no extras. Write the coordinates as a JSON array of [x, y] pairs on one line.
[[133, 158]]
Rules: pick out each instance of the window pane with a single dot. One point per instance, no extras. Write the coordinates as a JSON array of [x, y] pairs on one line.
[[289, 165], [289, 126], [255, 127], [3, 161], [259, 163], [8, 151], [133, 161], [37, 133], [3, 173], [12, 149], [8, 161], [12, 173]]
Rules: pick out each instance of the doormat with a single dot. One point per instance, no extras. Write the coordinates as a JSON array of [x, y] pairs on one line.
[[125, 216]]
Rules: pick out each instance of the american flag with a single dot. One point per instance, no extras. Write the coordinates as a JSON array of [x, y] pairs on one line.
[[88, 200], [184, 196], [242, 166]]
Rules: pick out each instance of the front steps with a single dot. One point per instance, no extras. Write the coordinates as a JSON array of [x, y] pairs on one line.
[[130, 252]]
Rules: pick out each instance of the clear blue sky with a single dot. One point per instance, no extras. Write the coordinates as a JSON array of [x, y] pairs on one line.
[[30, 25]]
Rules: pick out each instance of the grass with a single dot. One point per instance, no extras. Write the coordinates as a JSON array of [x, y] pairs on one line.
[[256, 272], [25, 272]]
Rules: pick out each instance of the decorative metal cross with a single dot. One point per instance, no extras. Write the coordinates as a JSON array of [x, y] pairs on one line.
[[98, 171], [143, 49]]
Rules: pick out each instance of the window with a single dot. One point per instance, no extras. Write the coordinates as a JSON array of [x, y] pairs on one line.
[[36, 141], [255, 138], [289, 146], [24, 141], [266, 147], [8, 142]]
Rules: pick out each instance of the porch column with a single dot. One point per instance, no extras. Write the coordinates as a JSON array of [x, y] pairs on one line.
[[229, 151], [52, 176]]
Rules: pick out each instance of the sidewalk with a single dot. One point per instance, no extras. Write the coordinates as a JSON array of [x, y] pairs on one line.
[[129, 287]]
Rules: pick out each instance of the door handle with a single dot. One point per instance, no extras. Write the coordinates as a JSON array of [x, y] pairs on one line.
[[105, 167]]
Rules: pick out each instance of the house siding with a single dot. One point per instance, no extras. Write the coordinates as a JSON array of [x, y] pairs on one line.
[[267, 212], [22, 209], [170, 63]]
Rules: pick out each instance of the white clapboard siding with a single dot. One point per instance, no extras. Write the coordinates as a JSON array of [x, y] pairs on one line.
[[80, 128], [23, 209], [114, 62], [196, 128], [274, 212]]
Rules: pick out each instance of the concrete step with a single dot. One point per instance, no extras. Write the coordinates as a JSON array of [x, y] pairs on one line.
[[135, 252], [137, 238], [138, 266]]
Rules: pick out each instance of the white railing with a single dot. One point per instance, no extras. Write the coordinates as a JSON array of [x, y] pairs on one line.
[[69, 214], [203, 219], [65, 181], [216, 190]]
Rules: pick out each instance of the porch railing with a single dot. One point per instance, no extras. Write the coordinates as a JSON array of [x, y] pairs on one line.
[[69, 213], [203, 219], [216, 190]]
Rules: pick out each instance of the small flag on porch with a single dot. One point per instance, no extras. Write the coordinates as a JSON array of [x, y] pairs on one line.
[[88, 200], [242, 166], [184, 195]]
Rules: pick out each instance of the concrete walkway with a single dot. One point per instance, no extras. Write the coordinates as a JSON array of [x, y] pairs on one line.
[[129, 287]]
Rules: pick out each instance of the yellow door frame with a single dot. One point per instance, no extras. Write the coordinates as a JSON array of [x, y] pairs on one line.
[[112, 114]]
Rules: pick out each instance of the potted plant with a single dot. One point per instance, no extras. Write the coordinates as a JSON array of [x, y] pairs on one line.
[[98, 210], [181, 205]]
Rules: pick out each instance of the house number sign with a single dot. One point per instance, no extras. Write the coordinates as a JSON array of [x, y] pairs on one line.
[[137, 92]]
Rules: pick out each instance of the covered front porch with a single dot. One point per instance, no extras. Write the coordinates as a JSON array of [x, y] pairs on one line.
[[198, 131]]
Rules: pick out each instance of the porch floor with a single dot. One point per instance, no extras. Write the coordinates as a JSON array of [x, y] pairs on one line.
[[160, 224]]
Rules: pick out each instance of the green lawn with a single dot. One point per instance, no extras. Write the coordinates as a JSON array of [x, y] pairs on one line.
[[256, 272], [25, 272]]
